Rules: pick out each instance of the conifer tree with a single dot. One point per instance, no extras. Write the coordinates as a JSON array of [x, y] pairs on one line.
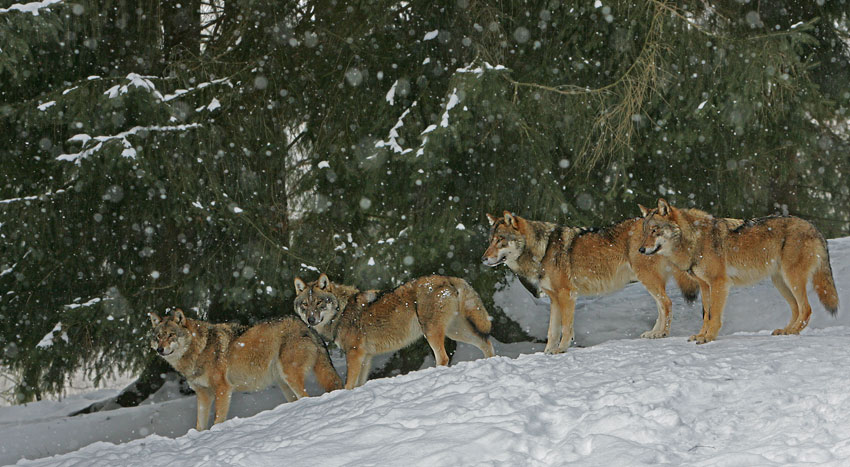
[[202, 154]]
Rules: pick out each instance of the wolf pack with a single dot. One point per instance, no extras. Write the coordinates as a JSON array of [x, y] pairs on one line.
[[705, 255]]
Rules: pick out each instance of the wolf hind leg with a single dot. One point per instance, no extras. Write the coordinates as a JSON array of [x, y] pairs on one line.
[[462, 330], [435, 334], [797, 283], [783, 289]]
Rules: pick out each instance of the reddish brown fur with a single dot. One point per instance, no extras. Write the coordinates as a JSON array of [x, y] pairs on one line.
[[566, 262], [217, 359], [722, 252], [371, 323]]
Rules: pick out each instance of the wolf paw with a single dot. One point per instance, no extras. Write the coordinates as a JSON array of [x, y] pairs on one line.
[[653, 334], [701, 339], [782, 332], [554, 351]]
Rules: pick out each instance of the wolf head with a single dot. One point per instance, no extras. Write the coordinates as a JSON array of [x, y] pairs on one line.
[[660, 229], [315, 302], [170, 336], [507, 241]]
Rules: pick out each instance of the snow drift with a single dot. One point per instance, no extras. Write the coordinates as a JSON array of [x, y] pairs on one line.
[[747, 399]]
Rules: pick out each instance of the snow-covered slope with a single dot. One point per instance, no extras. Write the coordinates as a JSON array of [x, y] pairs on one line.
[[747, 399]]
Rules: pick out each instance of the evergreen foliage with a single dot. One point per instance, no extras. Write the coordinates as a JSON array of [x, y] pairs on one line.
[[202, 156]]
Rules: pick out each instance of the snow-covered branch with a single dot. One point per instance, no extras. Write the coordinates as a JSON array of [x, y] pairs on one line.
[[129, 150], [181, 92], [30, 198], [32, 7], [135, 80], [392, 138]]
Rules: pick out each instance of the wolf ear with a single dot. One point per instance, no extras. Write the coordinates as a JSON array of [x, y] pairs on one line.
[[179, 317], [324, 281], [663, 208], [155, 319], [492, 219], [300, 286], [643, 210], [509, 219]]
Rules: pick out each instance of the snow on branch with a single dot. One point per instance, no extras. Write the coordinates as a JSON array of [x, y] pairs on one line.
[[47, 340], [96, 300], [180, 92], [32, 7], [138, 81], [392, 138], [480, 70], [30, 198], [129, 151]]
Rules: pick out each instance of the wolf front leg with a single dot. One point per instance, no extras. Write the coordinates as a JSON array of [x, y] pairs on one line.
[[567, 306], [553, 336], [719, 294], [354, 359], [205, 397], [705, 295], [223, 392], [655, 285]]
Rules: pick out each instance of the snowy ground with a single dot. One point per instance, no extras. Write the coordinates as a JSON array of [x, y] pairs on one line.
[[747, 399]]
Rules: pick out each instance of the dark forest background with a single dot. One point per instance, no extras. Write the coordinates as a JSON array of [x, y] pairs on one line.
[[202, 154]]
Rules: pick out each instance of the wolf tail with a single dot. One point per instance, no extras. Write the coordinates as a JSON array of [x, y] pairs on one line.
[[689, 286], [472, 307], [325, 372], [824, 282]]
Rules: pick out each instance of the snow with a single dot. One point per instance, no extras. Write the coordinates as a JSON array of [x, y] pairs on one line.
[[748, 398], [391, 95], [47, 340], [31, 197], [46, 105], [324, 165], [129, 151], [392, 138], [135, 80], [480, 70], [32, 7], [431, 35], [214, 104], [453, 100]]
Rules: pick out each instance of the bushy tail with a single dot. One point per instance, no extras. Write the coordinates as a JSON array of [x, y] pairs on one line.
[[472, 307], [689, 286], [325, 372], [824, 283]]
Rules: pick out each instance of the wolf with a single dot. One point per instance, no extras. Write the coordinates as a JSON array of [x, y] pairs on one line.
[[565, 262], [722, 252], [369, 323], [217, 359]]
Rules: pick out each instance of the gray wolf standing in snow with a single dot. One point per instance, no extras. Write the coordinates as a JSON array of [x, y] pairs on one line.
[[565, 262], [365, 324], [722, 252], [217, 359]]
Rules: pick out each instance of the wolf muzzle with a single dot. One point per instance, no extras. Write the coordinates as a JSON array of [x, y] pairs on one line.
[[648, 253], [486, 261]]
